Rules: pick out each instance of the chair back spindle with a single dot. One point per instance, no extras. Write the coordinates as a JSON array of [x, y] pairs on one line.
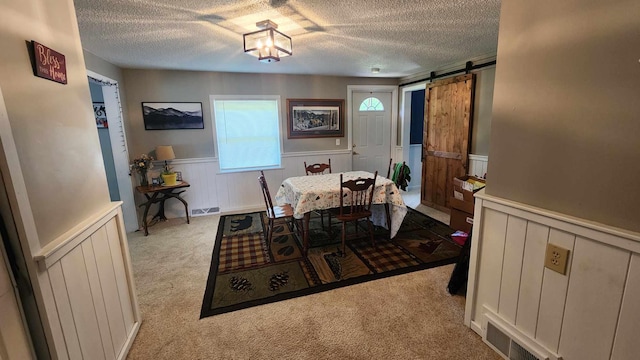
[[360, 195], [317, 169]]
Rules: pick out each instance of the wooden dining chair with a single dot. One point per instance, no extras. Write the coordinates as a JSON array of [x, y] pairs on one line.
[[356, 197], [319, 169], [275, 214]]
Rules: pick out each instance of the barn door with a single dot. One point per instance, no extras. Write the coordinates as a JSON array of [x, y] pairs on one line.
[[447, 135]]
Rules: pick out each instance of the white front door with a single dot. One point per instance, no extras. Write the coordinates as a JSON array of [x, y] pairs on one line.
[[371, 131]]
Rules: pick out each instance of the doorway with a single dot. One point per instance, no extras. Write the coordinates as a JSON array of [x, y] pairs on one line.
[[373, 127], [113, 142]]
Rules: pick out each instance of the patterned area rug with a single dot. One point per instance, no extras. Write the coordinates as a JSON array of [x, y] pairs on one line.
[[244, 273]]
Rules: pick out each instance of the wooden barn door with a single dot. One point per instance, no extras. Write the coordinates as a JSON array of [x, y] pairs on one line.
[[447, 135]]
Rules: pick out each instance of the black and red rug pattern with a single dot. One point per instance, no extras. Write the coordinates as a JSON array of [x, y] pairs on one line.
[[244, 273]]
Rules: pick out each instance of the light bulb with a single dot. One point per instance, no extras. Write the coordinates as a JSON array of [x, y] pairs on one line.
[[259, 44], [269, 43]]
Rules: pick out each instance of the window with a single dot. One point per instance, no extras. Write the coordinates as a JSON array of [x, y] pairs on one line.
[[247, 132], [371, 104]]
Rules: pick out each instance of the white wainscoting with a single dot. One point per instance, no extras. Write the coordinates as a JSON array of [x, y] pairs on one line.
[[477, 165], [237, 192], [415, 164], [593, 312], [88, 289]]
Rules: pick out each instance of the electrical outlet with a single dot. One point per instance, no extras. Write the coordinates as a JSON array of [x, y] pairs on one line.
[[556, 259]]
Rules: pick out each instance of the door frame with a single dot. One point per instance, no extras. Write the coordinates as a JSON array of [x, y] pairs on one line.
[[405, 119], [396, 149], [125, 184]]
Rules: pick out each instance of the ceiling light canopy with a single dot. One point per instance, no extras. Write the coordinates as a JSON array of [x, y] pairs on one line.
[[268, 44]]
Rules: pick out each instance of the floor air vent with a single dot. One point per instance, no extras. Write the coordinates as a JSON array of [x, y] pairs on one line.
[[205, 211], [508, 346], [498, 339]]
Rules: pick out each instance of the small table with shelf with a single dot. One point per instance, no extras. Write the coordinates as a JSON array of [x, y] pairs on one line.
[[158, 194]]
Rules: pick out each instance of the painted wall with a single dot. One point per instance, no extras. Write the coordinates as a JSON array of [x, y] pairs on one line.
[[191, 86], [482, 110], [565, 126], [52, 124]]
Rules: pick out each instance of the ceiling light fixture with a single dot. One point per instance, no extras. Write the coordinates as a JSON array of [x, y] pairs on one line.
[[375, 70], [268, 44]]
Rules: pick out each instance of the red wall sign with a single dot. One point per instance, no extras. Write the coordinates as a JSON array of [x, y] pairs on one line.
[[49, 64]]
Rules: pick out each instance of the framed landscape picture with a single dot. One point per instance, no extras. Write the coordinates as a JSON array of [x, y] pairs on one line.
[[312, 118], [101, 115], [172, 115]]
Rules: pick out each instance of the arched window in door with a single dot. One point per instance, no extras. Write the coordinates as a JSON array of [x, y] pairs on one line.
[[371, 104]]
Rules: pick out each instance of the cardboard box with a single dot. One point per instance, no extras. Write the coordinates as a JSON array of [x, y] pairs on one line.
[[464, 206], [463, 190], [461, 220], [462, 203]]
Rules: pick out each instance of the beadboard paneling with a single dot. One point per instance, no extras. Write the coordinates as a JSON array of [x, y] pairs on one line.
[[627, 345], [513, 252], [593, 300], [554, 291], [477, 165], [531, 278], [89, 274], [488, 290], [415, 164], [589, 313]]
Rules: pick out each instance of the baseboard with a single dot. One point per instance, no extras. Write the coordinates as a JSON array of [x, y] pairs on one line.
[[241, 210], [476, 327], [129, 342]]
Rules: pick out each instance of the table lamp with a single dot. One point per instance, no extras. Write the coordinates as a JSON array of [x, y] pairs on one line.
[[165, 152]]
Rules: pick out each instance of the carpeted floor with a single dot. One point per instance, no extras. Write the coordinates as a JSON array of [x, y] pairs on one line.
[[245, 272], [409, 316]]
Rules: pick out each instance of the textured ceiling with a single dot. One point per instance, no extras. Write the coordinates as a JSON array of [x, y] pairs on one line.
[[330, 37]]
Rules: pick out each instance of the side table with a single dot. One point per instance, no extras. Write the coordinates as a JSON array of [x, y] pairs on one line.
[[159, 194]]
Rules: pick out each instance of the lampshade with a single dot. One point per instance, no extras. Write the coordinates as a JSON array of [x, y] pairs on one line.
[[165, 152], [268, 44]]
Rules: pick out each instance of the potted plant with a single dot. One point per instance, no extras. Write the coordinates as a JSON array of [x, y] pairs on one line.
[[168, 176], [141, 165]]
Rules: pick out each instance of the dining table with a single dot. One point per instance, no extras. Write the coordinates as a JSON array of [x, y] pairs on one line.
[[320, 192]]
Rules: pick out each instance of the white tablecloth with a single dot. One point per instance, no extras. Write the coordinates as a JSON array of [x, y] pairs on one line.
[[317, 192]]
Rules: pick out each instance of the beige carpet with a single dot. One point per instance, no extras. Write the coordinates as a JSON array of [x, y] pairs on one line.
[[410, 316]]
